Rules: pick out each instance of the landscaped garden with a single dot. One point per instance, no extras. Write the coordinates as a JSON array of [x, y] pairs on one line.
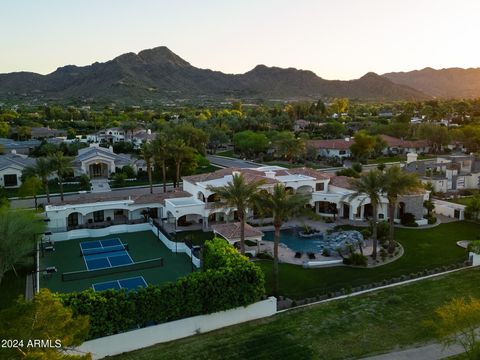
[[424, 249], [349, 328]]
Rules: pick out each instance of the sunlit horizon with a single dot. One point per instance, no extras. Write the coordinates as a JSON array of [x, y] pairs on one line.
[[341, 39]]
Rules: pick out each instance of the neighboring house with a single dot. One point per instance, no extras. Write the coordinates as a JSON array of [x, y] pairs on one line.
[[142, 136], [197, 206], [20, 147], [11, 168], [115, 135], [301, 124], [99, 162], [336, 148], [399, 146], [46, 132], [447, 173], [385, 114]]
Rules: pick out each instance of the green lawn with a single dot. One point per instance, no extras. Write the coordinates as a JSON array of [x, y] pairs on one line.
[[424, 249], [369, 324], [228, 153], [462, 200], [53, 189]]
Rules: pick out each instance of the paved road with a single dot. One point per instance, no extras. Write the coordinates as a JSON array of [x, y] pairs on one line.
[[229, 162], [427, 352], [30, 203]]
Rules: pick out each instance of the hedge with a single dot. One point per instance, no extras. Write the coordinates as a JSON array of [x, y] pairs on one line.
[[228, 280]]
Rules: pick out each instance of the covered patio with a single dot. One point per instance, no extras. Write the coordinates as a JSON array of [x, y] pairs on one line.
[[231, 232]]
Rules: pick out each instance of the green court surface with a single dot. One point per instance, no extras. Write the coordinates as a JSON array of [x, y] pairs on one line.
[[142, 246]]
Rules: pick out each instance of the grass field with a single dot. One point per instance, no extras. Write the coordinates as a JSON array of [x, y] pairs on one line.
[[344, 329], [142, 246], [424, 249]]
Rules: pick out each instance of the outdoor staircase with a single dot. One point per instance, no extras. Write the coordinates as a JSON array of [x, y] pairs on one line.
[[100, 185]]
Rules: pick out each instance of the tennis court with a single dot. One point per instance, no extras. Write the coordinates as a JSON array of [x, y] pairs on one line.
[[129, 284], [104, 254], [77, 273]]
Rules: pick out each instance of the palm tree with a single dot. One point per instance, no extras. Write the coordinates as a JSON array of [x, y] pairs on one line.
[[240, 195], [283, 205], [42, 169], [147, 153], [180, 151], [396, 183], [370, 186], [30, 187], [161, 155], [62, 165]]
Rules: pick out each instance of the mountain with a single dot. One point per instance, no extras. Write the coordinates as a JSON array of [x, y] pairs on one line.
[[444, 83], [160, 74]]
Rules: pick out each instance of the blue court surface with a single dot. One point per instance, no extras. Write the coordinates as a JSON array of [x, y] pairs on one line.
[[104, 254], [129, 284]]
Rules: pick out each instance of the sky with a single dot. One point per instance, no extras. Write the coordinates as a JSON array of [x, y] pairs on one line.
[[336, 39]]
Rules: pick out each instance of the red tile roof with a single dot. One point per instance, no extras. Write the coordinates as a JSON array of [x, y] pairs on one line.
[[337, 144], [231, 231], [400, 143]]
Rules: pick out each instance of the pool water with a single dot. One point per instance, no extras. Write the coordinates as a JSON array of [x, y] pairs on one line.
[[315, 244]]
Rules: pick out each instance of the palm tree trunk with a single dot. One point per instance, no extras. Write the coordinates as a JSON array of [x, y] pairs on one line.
[[374, 231], [45, 185], [391, 215], [275, 260], [164, 176], [177, 176], [36, 203], [60, 182], [242, 232], [149, 170]]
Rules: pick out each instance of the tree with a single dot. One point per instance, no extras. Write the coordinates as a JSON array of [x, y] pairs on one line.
[[456, 322], [18, 229], [283, 205], [395, 183], [250, 143], [370, 186], [30, 187], [161, 156], [43, 169], [217, 137], [473, 207], [4, 129], [147, 153], [45, 318], [180, 153], [62, 166], [240, 195], [437, 136], [129, 126], [363, 145]]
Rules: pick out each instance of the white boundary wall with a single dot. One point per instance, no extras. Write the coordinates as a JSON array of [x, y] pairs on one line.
[[118, 229], [141, 338]]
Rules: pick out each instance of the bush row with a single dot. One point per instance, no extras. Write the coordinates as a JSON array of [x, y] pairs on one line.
[[228, 280]]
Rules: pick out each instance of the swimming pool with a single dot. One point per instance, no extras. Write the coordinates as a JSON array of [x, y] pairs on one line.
[[316, 244]]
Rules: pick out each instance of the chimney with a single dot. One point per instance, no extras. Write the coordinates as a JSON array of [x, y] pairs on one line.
[[411, 157], [14, 152], [110, 148], [236, 173], [149, 132], [270, 174], [347, 139]]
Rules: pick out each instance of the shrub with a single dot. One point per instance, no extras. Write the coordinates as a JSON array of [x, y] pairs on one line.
[[393, 300], [228, 280], [348, 172], [356, 259], [264, 256], [84, 182], [474, 246], [326, 252], [119, 179], [408, 219]]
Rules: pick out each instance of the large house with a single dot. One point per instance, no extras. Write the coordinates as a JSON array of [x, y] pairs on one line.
[[11, 168], [335, 148], [399, 146], [197, 207], [340, 148], [99, 162], [447, 173]]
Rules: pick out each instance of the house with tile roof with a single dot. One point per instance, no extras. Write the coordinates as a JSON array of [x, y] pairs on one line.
[[99, 162], [333, 148], [11, 168]]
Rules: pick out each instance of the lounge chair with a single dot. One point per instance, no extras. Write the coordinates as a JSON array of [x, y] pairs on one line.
[[298, 255], [311, 256]]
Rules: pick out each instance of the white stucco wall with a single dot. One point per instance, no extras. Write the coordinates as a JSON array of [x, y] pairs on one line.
[[141, 338]]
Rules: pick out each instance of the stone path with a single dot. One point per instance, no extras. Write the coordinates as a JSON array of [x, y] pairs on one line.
[[100, 186]]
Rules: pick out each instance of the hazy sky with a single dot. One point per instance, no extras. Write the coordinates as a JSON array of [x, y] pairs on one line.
[[337, 39]]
